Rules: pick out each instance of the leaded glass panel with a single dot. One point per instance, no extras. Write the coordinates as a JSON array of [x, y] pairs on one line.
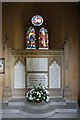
[[30, 38], [43, 38]]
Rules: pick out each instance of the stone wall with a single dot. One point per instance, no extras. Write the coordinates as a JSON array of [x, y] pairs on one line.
[[61, 19], [1, 75]]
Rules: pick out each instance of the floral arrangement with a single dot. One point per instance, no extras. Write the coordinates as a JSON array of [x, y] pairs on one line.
[[37, 94]]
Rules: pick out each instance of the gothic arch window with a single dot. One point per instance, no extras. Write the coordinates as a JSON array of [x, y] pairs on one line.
[[37, 34]]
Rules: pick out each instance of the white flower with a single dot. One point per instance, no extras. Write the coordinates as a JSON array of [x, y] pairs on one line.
[[37, 99], [47, 97], [47, 100], [39, 95], [30, 98], [43, 97], [47, 92], [31, 90], [41, 92], [27, 94]]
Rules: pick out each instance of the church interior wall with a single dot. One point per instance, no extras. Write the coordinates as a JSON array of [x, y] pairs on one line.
[[1, 75], [79, 59], [62, 22]]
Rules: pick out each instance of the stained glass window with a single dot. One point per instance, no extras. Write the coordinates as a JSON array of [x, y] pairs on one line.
[[43, 38], [30, 38], [37, 38], [37, 20]]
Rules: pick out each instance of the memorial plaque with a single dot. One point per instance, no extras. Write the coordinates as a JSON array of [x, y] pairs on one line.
[[37, 78], [54, 75], [37, 64], [19, 75]]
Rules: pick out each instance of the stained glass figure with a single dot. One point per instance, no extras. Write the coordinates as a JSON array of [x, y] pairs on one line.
[[30, 38], [43, 38], [37, 20]]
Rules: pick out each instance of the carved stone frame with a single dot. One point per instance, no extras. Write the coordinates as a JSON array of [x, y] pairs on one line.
[[50, 54]]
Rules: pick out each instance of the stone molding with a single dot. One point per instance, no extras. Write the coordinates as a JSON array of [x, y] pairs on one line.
[[36, 52]]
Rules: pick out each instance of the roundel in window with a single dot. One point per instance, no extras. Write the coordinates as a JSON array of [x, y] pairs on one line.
[[37, 20]]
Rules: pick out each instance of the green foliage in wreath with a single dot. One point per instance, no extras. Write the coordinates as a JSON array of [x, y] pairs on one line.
[[37, 94]]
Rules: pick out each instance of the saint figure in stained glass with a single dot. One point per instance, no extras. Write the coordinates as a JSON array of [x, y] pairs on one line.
[[30, 38], [43, 38]]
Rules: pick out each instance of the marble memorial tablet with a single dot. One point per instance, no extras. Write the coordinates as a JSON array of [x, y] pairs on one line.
[[54, 75], [37, 64], [19, 75], [37, 78]]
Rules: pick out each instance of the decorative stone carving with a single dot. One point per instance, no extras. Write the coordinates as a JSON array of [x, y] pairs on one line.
[[57, 59], [21, 56], [21, 59], [47, 53]]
